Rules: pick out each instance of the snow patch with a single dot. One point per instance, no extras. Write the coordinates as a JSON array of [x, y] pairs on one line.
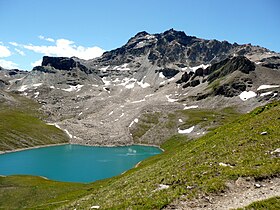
[[188, 130], [245, 95], [135, 102], [122, 115], [191, 107], [22, 88], [134, 121], [131, 124], [80, 113], [76, 88], [106, 82], [200, 66], [52, 87], [36, 94], [143, 84], [104, 68], [95, 207], [262, 87], [161, 75], [105, 89], [130, 86], [122, 67], [37, 85], [170, 99], [55, 124], [116, 80], [180, 120], [66, 131], [147, 96], [126, 81], [140, 44], [111, 113], [267, 93], [148, 36]]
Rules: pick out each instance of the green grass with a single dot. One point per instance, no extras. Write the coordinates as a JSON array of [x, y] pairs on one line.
[[19, 192], [189, 167], [268, 204], [161, 126], [147, 121], [21, 126]]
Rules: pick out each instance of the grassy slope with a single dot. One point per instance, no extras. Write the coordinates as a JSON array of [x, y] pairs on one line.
[[161, 126], [21, 126], [189, 167], [196, 164], [19, 192], [268, 204]]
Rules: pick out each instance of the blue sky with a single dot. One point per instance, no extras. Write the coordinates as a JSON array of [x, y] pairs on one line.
[[86, 28]]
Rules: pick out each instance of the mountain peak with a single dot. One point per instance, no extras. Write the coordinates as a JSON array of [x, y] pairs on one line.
[[141, 34]]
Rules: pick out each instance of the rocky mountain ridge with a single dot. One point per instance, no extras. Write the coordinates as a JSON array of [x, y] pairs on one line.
[[100, 101]]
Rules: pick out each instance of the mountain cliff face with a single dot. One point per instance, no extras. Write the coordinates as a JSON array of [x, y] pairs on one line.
[[171, 49], [100, 101]]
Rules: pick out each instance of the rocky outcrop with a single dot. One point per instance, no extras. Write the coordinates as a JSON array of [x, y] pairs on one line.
[[228, 66], [168, 73], [271, 62], [62, 63], [3, 83]]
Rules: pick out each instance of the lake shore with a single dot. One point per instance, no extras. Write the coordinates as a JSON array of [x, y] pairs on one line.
[[51, 145], [34, 147]]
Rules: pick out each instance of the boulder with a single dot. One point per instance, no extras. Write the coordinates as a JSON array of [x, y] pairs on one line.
[[185, 77]]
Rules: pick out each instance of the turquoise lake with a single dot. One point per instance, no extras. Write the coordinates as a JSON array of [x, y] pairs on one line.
[[75, 163]]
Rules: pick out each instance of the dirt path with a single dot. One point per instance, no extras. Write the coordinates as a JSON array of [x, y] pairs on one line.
[[240, 194]]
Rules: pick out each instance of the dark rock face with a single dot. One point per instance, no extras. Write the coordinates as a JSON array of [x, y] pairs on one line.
[[171, 48], [169, 73], [271, 62], [185, 77], [219, 70], [230, 90], [192, 83], [14, 72], [62, 63], [228, 66]]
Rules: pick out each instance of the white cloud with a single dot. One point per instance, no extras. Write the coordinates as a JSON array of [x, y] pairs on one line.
[[20, 52], [47, 39], [4, 52], [14, 44], [36, 63], [8, 64], [66, 48]]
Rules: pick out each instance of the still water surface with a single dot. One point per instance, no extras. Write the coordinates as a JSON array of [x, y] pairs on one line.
[[75, 163]]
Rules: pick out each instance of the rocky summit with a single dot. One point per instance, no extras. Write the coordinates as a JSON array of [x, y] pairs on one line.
[[100, 101]]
